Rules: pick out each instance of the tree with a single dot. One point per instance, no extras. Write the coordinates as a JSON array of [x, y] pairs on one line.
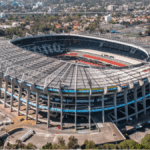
[[125, 23], [140, 146], [140, 34], [92, 28], [66, 30], [112, 22], [101, 30], [61, 143], [2, 33], [1, 143], [147, 32], [20, 144], [48, 146], [88, 145], [30, 146], [86, 28], [146, 140], [55, 146], [127, 144], [109, 146], [107, 31], [91, 145], [73, 142]]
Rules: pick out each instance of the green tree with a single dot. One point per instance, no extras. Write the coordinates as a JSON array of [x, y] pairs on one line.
[[92, 27], [88, 145], [7, 146], [55, 146], [109, 146], [101, 30], [30, 146], [86, 28], [73, 142], [61, 143], [140, 146], [2, 33], [140, 34], [147, 32], [112, 22], [48, 146], [1, 143], [107, 31], [20, 144], [127, 144], [146, 140]]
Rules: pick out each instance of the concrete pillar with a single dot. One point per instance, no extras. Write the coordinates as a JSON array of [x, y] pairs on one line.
[[126, 101], [27, 104], [37, 107], [12, 98], [103, 111], [61, 114], [75, 113], [5, 94], [48, 111], [1, 87], [135, 104], [144, 99], [19, 102], [89, 112], [115, 104]]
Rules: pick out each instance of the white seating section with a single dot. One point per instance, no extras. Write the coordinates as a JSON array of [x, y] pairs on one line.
[[46, 48]]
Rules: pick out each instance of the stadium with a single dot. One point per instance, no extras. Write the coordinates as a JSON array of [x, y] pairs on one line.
[[74, 80]]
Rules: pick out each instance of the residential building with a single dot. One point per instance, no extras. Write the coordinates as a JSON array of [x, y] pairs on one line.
[[111, 7], [108, 18], [2, 15]]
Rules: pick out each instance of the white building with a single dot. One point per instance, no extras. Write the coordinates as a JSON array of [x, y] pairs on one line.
[[126, 7], [108, 18], [53, 10], [2, 15], [38, 4], [111, 7], [5, 26], [15, 24]]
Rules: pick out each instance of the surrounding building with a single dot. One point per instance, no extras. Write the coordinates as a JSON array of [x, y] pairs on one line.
[[111, 7], [38, 4], [53, 10], [108, 18], [2, 15]]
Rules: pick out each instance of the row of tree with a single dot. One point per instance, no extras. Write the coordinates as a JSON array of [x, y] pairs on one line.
[[20, 145], [73, 144]]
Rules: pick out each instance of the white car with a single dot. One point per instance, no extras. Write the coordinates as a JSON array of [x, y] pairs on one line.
[[138, 127]]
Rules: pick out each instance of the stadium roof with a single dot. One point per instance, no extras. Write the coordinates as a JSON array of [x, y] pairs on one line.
[[43, 71]]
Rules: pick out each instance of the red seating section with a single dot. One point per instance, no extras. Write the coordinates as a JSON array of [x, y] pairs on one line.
[[146, 70], [105, 60], [89, 63], [71, 54]]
